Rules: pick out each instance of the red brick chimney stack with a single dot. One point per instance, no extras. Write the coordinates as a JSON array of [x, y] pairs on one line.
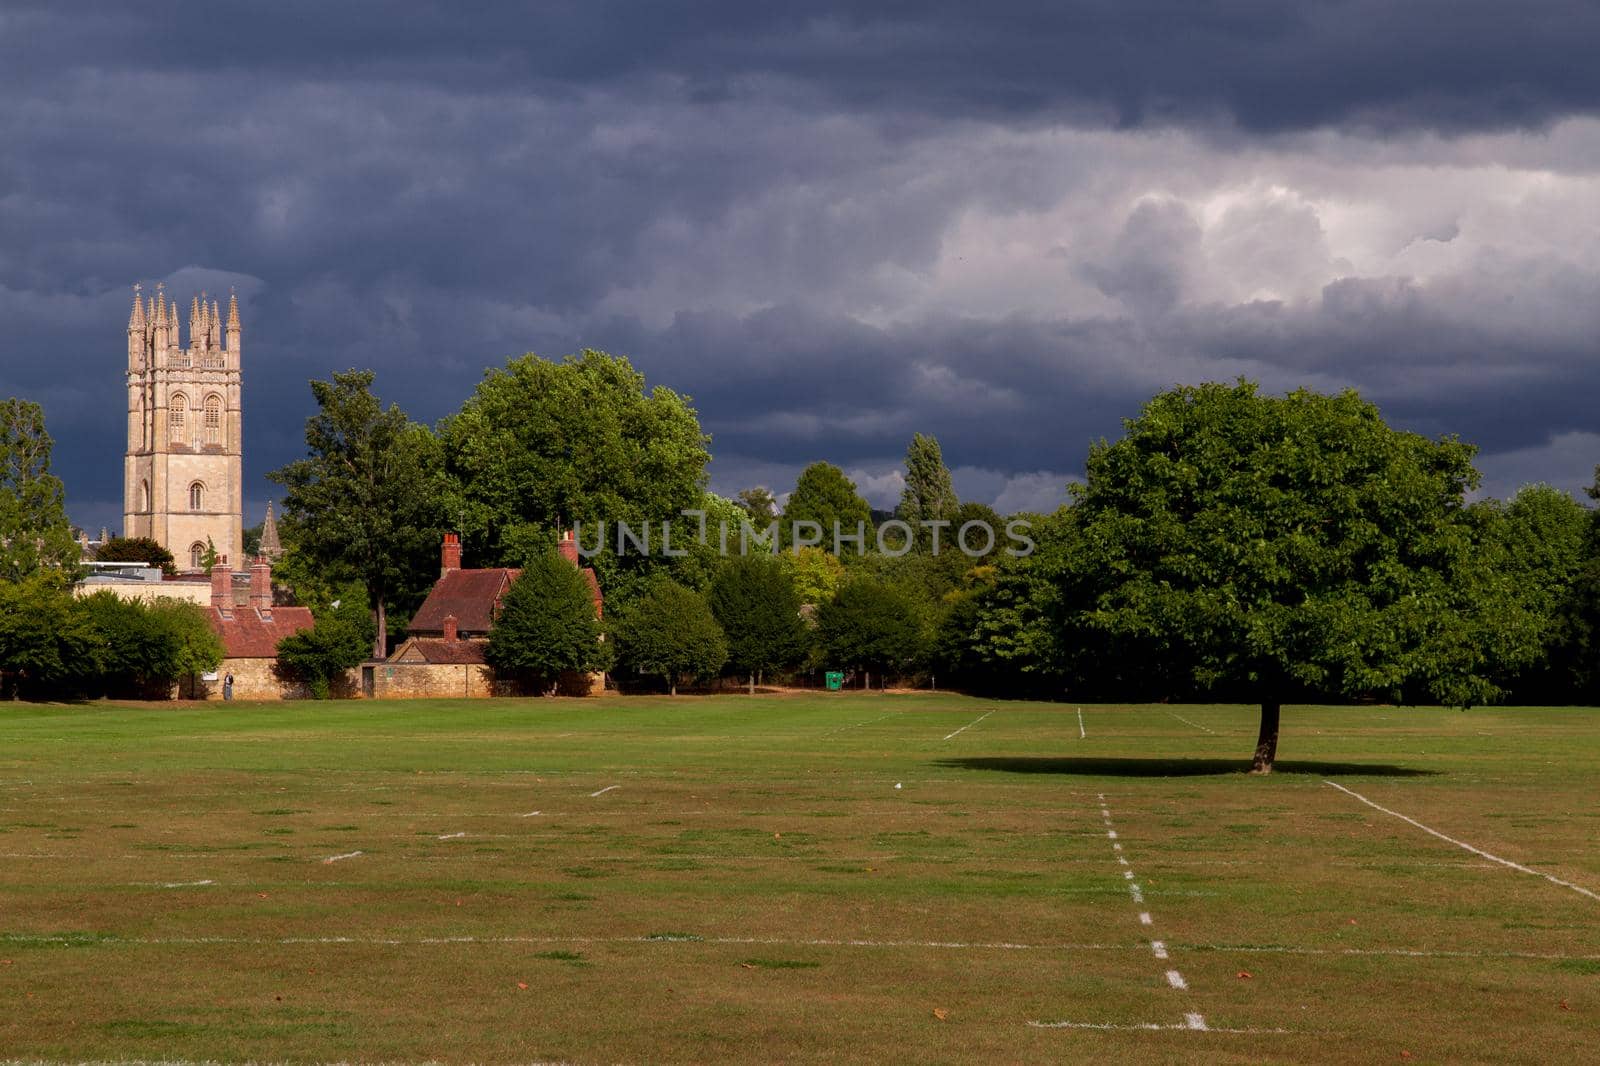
[[568, 547], [222, 587], [261, 586], [450, 554], [450, 628]]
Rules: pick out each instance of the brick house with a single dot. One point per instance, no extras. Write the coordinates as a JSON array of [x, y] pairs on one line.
[[250, 625], [444, 650]]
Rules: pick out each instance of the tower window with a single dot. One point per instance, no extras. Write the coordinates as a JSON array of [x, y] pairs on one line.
[[213, 420], [197, 496], [144, 497], [197, 552], [177, 418]]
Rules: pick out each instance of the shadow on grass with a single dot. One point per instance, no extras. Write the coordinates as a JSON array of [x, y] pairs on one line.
[[1135, 767]]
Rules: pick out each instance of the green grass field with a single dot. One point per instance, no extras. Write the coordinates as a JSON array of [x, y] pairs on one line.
[[740, 879]]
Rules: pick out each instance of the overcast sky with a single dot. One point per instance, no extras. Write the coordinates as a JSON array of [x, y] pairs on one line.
[[833, 225]]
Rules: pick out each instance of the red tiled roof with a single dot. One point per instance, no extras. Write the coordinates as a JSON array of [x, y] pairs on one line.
[[247, 635], [441, 652], [470, 595]]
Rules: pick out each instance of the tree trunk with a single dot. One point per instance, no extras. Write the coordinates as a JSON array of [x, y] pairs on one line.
[[380, 640], [752, 683], [1267, 740], [866, 680], [672, 686]]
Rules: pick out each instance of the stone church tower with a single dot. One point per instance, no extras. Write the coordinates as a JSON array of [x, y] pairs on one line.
[[183, 477]]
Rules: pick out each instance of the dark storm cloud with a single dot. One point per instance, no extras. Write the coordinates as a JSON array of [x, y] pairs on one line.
[[768, 207]]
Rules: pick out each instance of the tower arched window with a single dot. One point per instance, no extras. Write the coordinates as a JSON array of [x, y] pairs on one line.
[[197, 496], [197, 553], [144, 497], [177, 418], [213, 419]]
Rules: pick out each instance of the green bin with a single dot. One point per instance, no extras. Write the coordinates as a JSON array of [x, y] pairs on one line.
[[834, 680]]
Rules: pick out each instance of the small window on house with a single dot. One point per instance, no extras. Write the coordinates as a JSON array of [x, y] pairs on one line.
[[177, 419], [197, 496], [213, 420], [197, 552]]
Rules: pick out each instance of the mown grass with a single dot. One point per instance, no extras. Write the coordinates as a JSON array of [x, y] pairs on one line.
[[756, 888]]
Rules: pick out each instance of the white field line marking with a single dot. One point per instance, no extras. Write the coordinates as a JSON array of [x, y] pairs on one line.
[[1127, 875], [1196, 725], [452, 836], [186, 884], [1463, 844], [530, 814], [857, 725], [1187, 1026], [603, 791], [1158, 949], [1144, 918], [331, 859], [969, 725], [1082, 733], [1133, 890], [1175, 979], [1111, 834]]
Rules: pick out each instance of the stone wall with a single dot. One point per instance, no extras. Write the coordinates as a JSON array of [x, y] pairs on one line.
[[399, 681], [258, 679]]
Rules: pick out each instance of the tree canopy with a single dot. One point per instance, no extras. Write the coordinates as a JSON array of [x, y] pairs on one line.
[[870, 625], [669, 632], [929, 495], [1275, 544], [547, 624], [367, 501], [824, 495], [34, 532], [755, 602], [540, 445], [136, 550]]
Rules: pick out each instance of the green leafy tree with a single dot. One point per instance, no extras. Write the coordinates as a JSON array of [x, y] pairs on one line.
[[929, 495], [47, 646], [34, 532], [136, 653], [815, 573], [197, 648], [824, 496], [547, 625], [754, 601], [871, 626], [137, 550], [669, 632], [541, 445], [1278, 545], [209, 558], [340, 640], [759, 505], [367, 501]]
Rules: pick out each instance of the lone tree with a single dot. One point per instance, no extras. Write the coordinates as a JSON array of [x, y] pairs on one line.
[[1294, 544], [754, 600], [670, 631], [869, 624], [321, 655], [547, 625], [366, 500]]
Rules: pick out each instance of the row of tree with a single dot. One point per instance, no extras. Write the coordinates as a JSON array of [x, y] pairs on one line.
[[54, 645]]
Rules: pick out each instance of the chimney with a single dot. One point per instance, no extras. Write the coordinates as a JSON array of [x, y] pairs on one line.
[[450, 555], [261, 586], [222, 587], [568, 547], [450, 628]]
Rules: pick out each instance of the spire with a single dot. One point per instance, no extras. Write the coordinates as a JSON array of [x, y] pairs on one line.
[[150, 311], [233, 312], [195, 329], [216, 326], [271, 546], [136, 318]]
